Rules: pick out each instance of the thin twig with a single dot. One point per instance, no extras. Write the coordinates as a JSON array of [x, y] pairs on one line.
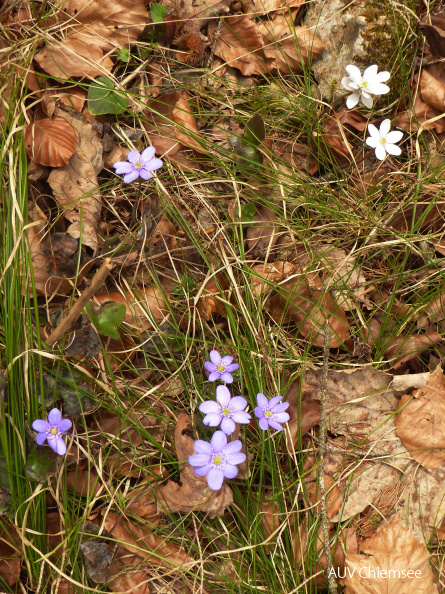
[[324, 517], [76, 309]]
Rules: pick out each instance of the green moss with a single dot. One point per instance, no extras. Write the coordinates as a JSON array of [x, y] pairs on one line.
[[381, 41]]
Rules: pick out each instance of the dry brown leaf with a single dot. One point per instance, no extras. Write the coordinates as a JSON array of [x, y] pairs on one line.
[[296, 155], [209, 302], [261, 7], [9, 555], [433, 27], [140, 541], [128, 577], [39, 261], [421, 422], [75, 185], [239, 45], [107, 25], [84, 482], [73, 58], [304, 414], [287, 47], [432, 86], [141, 305], [435, 310], [193, 494], [261, 234], [406, 348], [413, 118], [111, 425], [346, 280], [50, 142], [393, 548]]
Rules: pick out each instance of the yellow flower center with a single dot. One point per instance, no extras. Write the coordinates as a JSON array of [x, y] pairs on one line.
[[364, 84], [217, 460], [54, 430], [220, 368], [138, 165], [225, 411], [268, 413], [383, 141]]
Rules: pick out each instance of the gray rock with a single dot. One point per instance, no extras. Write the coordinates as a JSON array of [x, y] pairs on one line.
[[362, 33]]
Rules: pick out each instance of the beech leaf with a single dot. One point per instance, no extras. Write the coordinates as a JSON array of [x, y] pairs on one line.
[[50, 142]]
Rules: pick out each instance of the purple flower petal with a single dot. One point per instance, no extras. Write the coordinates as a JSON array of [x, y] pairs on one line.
[[233, 446], [41, 438], [134, 157], [230, 471], [148, 153], [131, 176], [202, 470], [281, 407], [209, 366], [228, 426], [40, 425], [275, 425], [241, 416], [215, 357], [64, 425], [202, 447], [215, 478], [236, 458], [223, 395], [274, 401], [218, 441], [153, 164], [264, 424], [238, 403], [54, 416], [209, 406], [214, 376], [282, 417], [145, 174], [199, 459], [57, 444], [232, 367], [262, 400], [226, 360], [227, 378], [212, 419], [259, 412], [123, 167]]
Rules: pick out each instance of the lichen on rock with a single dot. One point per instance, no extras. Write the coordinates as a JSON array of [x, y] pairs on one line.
[[362, 32]]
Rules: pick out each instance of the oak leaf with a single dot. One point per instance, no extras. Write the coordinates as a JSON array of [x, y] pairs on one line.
[[421, 421], [395, 549], [50, 142], [193, 494]]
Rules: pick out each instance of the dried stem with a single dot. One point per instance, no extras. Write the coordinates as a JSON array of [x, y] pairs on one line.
[[76, 309], [324, 517]]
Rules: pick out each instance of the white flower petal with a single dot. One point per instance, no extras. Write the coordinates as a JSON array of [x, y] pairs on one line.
[[383, 76], [372, 142], [378, 89], [394, 136], [370, 73], [354, 72], [352, 100], [380, 152], [373, 131], [367, 100], [346, 83], [385, 127], [393, 149]]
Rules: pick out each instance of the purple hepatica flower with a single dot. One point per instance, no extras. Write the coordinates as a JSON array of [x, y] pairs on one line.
[[52, 430], [220, 367], [217, 459], [138, 165], [270, 412], [226, 411]]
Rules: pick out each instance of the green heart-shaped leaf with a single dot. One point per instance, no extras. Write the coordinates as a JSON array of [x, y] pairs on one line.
[[102, 98], [107, 318]]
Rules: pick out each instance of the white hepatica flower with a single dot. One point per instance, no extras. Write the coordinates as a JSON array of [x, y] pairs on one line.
[[383, 140], [363, 87]]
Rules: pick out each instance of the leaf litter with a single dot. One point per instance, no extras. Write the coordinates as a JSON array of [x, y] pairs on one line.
[[384, 470]]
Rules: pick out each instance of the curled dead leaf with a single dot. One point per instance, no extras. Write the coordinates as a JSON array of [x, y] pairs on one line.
[[50, 142], [406, 348]]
